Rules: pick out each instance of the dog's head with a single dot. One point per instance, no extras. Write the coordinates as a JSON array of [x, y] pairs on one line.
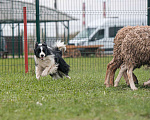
[[41, 50]]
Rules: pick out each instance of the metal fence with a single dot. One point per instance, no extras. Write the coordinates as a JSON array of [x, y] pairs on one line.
[[87, 27]]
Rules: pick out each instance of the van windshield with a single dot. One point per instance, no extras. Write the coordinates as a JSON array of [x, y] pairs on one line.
[[85, 33]]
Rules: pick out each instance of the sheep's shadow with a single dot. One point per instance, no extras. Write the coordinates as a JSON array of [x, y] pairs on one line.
[[125, 87]]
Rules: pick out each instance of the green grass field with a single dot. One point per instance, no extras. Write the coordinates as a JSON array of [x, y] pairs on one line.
[[84, 97]]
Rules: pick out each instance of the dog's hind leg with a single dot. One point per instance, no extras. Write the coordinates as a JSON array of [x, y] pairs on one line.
[[63, 74], [68, 77], [55, 76]]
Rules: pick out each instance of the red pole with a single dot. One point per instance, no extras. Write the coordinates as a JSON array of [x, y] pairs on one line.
[[83, 15], [104, 9], [25, 40]]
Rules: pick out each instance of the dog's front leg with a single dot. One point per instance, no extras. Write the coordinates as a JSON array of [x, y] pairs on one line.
[[38, 72], [45, 72], [53, 69], [49, 70]]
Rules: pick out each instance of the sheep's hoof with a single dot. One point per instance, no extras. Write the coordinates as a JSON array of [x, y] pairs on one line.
[[107, 85], [134, 88], [116, 85], [111, 83], [144, 84]]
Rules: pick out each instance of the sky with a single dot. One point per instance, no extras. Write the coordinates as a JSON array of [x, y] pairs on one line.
[[94, 11]]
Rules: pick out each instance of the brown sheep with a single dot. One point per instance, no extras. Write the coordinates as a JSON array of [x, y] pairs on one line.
[[135, 51], [122, 70], [114, 64]]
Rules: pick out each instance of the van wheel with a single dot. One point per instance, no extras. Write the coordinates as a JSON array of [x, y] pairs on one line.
[[99, 52], [76, 53]]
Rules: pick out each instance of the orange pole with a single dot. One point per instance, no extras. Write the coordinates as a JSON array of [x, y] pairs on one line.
[[25, 40]]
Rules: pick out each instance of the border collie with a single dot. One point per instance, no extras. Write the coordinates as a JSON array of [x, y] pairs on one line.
[[49, 61]]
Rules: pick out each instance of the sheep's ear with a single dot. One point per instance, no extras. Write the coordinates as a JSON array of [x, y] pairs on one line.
[[36, 44]]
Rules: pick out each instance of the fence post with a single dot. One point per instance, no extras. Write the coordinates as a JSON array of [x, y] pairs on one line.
[[37, 22], [148, 12], [0, 38], [68, 33], [25, 40], [13, 47], [19, 40], [45, 30]]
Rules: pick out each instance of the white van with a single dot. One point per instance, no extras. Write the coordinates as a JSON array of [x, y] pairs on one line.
[[103, 31]]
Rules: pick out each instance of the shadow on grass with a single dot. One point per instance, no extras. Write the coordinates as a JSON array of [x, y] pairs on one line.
[[126, 87]]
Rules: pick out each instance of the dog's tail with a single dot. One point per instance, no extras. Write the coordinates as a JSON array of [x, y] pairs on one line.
[[60, 46]]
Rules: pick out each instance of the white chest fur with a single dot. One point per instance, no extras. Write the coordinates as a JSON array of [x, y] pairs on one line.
[[45, 67], [48, 61]]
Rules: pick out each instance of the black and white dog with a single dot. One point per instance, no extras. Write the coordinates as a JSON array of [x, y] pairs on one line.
[[49, 61]]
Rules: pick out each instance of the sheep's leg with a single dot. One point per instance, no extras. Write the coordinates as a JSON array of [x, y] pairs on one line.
[[110, 67], [135, 79], [130, 77], [108, 73], [127, 80], [122, 70], [126, 77], [146, 83], [112, 75]]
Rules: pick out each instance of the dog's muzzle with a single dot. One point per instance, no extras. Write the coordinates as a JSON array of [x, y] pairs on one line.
[[41, 56]]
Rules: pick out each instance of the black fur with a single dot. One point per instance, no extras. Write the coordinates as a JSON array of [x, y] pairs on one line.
[[63, 67]]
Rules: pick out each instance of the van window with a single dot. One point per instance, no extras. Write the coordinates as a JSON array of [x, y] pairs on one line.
[[113, 31], [85, 33], [98, 35]]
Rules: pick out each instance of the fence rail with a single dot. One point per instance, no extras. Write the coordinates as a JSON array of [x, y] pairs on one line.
[[79, 23]]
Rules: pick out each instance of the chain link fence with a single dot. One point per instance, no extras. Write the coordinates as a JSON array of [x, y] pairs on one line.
[[87, 27]]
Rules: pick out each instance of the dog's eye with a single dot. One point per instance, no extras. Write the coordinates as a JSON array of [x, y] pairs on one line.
[[43, 50], [39, 50]]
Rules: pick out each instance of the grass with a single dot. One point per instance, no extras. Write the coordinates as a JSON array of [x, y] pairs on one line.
[[84, 97]]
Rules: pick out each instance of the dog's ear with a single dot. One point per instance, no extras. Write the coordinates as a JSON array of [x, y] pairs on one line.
[[49, 52], [44, 44], [36, 44]]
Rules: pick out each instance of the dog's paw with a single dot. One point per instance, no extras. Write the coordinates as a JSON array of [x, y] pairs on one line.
[[37, 77], [68, 77], [53, 69], [44, 73]]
